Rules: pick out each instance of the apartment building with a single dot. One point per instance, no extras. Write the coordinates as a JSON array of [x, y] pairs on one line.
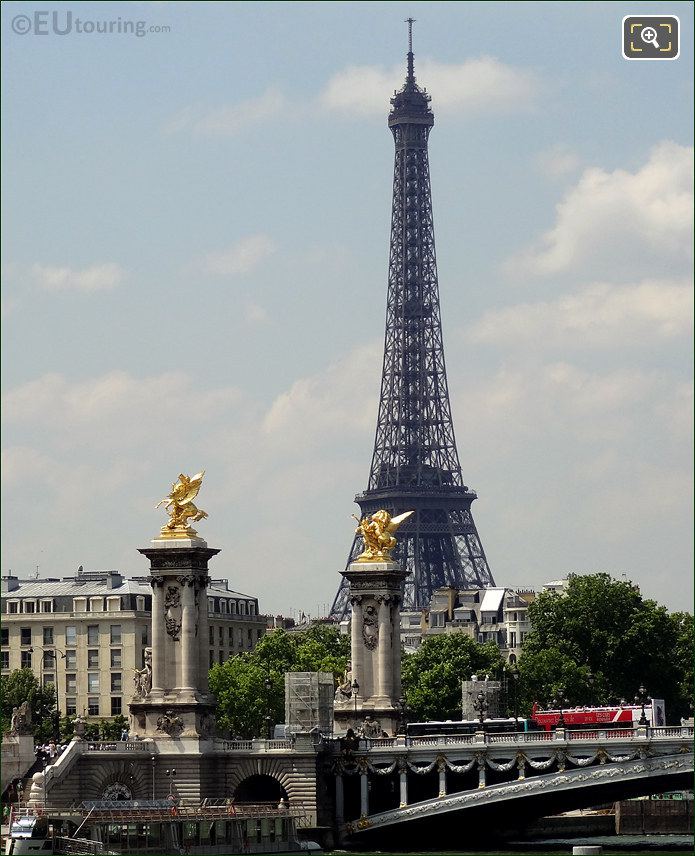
[[86, 634]]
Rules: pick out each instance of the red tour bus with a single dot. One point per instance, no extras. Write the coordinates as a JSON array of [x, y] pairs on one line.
[[616, 716]]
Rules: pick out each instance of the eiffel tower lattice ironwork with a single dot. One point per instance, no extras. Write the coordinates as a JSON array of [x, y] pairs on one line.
[[415, 464]]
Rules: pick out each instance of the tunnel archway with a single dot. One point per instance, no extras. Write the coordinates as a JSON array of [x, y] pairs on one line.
[[259, 789]]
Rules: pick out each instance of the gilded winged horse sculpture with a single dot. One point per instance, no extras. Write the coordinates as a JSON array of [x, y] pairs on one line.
[[180, 507], [377, 532]]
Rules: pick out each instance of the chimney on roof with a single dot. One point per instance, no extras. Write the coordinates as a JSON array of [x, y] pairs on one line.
[[9, 583], [113, 580]]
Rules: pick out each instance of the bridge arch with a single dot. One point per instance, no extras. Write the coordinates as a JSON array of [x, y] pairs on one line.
[[260, 788]]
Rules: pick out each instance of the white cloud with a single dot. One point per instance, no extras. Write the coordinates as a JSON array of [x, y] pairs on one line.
[[255, 314], [101, 277], [600, 315], [340, 399], [557, 161], [115, 409], [231, 119], [483, 84], [242, 257], [622, 221]]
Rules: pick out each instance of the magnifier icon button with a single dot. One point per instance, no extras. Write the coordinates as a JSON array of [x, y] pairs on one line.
[[648, 35]]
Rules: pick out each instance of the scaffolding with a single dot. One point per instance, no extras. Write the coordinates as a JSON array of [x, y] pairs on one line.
[[309, 701]]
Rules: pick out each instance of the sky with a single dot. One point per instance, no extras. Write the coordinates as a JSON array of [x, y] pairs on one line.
[[195, 252]]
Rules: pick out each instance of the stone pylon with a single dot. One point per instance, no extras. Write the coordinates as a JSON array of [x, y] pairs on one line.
[[375, 596], [171, 693]]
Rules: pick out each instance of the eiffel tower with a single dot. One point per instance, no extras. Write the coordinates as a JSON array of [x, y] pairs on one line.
[[415, 465]]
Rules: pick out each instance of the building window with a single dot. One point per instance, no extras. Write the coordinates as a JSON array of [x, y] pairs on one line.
[[220, 657], [71, 684], [13, 606], [70, 706], [49, 659], [211, 632], [145, 635], [48, 636], [249, 637], [231, 637], [116, 706], [240, 637], [93, 706], [212, 659], [4, 636], [25, 636], [4, 659], [512, 639], [29, 606], [252, 607], [70, 659], [242, 606], [116, 658], [223, 607], [116, 683], [115, 634], [140, 603], [93, 634], [26, 660], [48, 678], [232, 607], [92, 659], [96, 604], [221, 634], [71, 635], [46, 606], [93, 682]]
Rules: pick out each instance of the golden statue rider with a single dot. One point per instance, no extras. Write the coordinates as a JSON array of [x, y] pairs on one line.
[[180, 507], [377, 532]]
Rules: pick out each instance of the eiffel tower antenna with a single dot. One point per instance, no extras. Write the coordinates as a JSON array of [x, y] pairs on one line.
[[415, 463]]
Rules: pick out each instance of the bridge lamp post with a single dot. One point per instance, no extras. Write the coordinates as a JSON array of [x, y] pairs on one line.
[[591, 680], [402, 710], [516, 676], [480, 704], [355, 693], [52, 652], [171, 774], [559, 702], [642, 699], [268, 684]]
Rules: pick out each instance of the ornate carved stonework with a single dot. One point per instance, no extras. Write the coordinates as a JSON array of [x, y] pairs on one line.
[[370, 627], [156, 581], [173, 628], [170, 723]]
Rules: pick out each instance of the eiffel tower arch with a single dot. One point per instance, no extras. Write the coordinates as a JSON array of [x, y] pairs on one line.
[[415, 464]]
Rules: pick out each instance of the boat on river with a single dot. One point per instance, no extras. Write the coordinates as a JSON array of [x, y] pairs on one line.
[[156, 826]]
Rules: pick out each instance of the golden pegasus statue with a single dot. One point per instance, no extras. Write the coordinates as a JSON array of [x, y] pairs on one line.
[[180, 507], [377, 532]]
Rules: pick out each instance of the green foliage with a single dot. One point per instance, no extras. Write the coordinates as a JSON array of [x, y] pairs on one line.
[[243, 702], [67, 729], [110, 729], [602, 627], [20, 686], [432, 675]]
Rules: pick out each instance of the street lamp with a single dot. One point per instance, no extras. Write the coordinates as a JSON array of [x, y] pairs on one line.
[[480, 704], [516, 676], [643, 699], [591, 680], [171, 775], [355, 693], [268, 684], [52, 653], [402, 719], [559, 702]]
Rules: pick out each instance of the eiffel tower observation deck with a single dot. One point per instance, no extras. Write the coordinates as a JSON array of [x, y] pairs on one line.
[[415, 464]]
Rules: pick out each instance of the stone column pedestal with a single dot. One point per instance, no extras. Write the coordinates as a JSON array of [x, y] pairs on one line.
[[173, 701], [375, 595]]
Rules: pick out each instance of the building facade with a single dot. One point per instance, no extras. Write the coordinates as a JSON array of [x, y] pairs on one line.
[[498, 615], [87, 634]]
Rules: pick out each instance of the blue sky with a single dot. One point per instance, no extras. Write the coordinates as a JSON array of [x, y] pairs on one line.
[[195, 251]]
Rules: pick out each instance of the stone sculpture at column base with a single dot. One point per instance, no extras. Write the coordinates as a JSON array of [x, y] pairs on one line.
[[375, 595]]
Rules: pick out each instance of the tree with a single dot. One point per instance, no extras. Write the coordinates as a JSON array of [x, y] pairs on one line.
[[20, 686], [243, 702], [600, 641], [432, 675]]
